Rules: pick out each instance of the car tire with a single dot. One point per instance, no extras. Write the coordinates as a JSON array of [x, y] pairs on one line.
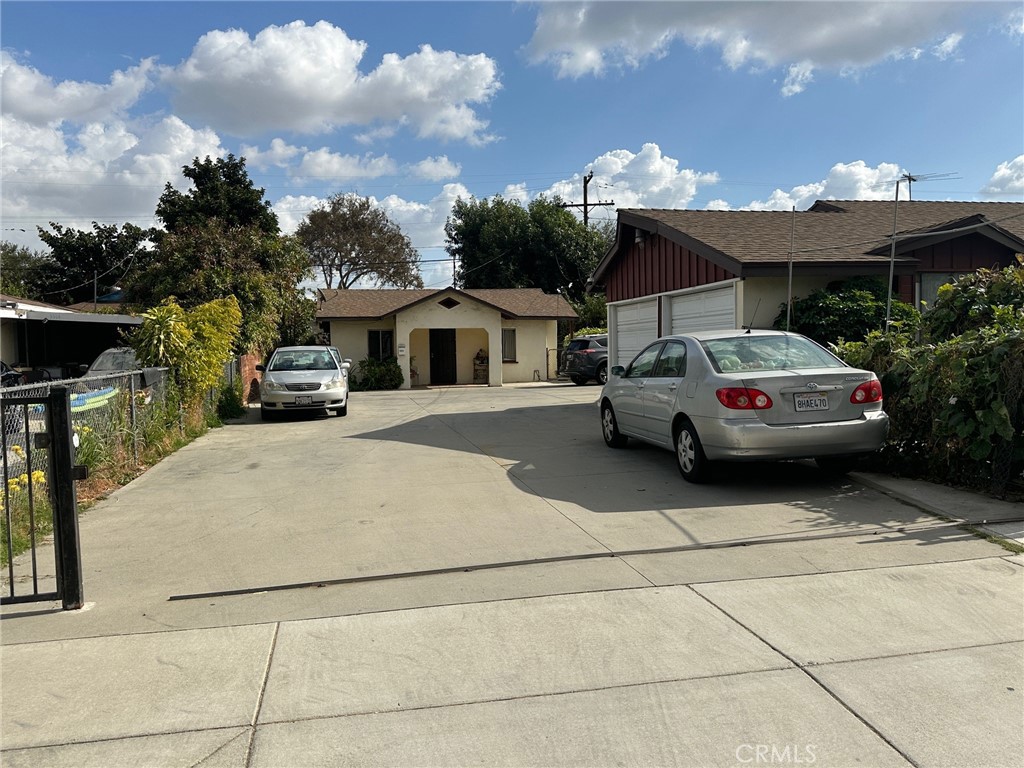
[[578, 380], [693, 464], [602, 374], [267, 415], [610, 428], [343, 411], [837, 466]]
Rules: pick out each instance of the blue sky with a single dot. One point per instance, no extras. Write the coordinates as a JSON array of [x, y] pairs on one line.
[[759, 105]]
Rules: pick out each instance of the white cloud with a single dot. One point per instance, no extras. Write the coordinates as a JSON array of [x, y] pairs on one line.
[[280, 155], [589, 38], [292, 209], [108, 172], [1014, 23], [436, 168], [647, 179], [717, 205], [845, 181], [307, 79], [34, 98], [325, 164], [1007, 181], [948, 47], [798, 78]]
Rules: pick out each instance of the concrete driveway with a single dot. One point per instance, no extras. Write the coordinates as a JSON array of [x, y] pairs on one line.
[[469, 576]]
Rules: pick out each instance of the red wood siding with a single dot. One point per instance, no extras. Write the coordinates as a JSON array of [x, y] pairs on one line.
[[657, 265], [964, 254]]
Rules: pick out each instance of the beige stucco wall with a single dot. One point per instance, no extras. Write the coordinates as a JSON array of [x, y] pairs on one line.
[[351, 338], [772, 292], [533, 339]]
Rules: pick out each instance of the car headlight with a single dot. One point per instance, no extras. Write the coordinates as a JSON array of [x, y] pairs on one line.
[[273, 386], [336, 383]]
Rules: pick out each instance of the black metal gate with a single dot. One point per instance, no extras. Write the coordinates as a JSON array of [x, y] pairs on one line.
[[39, 497]]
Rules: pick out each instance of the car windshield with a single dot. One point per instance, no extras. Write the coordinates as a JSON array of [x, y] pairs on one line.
[[767, 353], [302, 360], [115, 360]]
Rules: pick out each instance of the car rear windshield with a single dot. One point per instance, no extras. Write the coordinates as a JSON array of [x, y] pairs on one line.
[[768, 353], [577, 344], [115, 360], [303, 360]]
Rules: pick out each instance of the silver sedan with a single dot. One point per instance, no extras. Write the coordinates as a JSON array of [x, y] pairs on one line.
[[744, 395], [312, 378]]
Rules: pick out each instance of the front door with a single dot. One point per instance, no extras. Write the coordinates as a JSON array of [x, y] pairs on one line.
[[442, 356]]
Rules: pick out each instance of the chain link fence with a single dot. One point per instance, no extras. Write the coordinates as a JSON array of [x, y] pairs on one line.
[[110, 417]]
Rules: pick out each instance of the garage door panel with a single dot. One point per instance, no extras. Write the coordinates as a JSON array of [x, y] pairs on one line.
[[636, 327], [704, 310]]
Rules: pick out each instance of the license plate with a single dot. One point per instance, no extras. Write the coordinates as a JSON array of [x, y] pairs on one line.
[[304, 400], [811, 402]]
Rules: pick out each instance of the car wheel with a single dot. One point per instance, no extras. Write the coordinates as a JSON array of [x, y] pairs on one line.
[[693, 464], [610, 428], [602, 374], [836, 465], [578, 380], [267, 415], [343, 411]]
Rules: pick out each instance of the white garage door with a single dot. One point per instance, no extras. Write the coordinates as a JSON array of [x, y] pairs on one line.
[[636, 326], [708, 310]]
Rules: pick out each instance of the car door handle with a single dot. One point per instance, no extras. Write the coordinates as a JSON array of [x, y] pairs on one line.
[[673, 387]]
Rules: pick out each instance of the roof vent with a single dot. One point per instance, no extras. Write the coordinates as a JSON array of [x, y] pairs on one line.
[[448, 303]]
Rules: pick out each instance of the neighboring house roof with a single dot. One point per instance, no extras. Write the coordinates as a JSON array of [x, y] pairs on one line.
[[374, 304], [13, 307], [829, 232], [16, 302], [101, 307]]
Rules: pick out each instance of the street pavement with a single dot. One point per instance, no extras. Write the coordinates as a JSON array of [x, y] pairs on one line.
[[469, 576]]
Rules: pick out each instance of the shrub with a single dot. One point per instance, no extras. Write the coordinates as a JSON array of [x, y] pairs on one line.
[[230, 405], [972, 301], [582, 332], [377, 375], [847, 310]]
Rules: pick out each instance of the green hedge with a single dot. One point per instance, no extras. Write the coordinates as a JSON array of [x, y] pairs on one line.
[[956, 404], [376, 375]]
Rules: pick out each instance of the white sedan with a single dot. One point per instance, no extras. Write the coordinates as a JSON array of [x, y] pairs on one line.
[[311, 378], [744, 395]]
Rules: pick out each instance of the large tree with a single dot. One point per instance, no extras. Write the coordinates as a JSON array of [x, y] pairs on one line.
[[349, 239], [222, 239], [82, 264], [221, 189], [499, 243], [22, 271]]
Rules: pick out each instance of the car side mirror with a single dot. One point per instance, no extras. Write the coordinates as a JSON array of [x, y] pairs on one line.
[[83, 367], [261, 368], [346, 364], [618, 370]]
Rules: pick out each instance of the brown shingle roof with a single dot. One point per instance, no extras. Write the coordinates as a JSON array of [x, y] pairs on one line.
[[370, 304], [830, 232]]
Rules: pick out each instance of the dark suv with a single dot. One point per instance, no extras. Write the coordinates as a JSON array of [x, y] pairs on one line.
[[586, 358]]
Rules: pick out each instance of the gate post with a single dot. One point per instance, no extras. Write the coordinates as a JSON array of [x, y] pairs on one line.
[[65, 507]]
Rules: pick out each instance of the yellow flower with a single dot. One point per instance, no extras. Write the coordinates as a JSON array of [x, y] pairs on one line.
[[18, 451], [23, 480], [39, 477], [13, 486]]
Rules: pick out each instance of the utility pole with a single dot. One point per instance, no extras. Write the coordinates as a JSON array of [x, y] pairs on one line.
[[587, 205]]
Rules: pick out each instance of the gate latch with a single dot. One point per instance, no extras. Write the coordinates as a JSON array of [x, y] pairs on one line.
[[41, 441], [80, 472]]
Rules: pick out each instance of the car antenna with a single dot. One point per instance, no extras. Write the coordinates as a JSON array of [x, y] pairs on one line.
[[754, 316]]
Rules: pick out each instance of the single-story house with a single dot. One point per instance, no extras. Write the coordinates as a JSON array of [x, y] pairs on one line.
[[673, 271], [449, 336], [54, 341]]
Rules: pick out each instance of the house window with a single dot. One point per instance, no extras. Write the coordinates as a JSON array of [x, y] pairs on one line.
[[931, 282], [508, 345], [381, 345]]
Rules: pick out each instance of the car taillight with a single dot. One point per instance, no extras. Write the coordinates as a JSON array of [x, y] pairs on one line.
[[743, 399], [868, 392]]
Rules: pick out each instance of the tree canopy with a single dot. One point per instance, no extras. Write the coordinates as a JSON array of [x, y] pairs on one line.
[[349, 239], [499, 243], [21, 271], [222, 190], [108, 255], [222, 239]]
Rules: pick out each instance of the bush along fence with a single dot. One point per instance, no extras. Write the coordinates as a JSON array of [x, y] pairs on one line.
[[956, 407]]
